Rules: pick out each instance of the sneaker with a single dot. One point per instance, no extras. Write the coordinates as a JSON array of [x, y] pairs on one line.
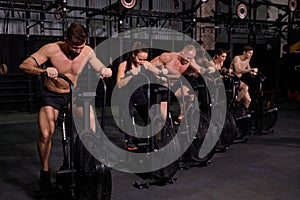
[[45, 182], [177, 121], [130, 145]]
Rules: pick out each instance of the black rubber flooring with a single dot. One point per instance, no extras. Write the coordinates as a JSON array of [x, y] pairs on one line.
[[267, 167]]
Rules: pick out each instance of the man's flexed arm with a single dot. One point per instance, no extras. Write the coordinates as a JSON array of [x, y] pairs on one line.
[[98, 65], [31, 65], [163, 61]]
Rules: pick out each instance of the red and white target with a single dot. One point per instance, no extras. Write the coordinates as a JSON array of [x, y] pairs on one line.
[[293, 5], [242, 11], [128, 3]]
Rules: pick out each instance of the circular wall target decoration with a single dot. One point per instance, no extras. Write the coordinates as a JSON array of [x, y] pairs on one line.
[[242, 11], [293, 5], [128, 3]]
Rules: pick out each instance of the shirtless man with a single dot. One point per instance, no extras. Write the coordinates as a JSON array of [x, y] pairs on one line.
[[177, 63], [241, 65], [69, 58]]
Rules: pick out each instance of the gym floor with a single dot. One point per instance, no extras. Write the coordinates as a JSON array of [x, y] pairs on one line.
[[265, 167]]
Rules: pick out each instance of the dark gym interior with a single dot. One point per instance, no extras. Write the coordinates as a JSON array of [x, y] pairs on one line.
[[264, 166]]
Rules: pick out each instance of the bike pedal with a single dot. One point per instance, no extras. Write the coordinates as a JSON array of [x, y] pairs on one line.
[[143, 144], [244, 117], [141, 184], [220, 150], [240, 140], [183, 166], [42, 194], [65, 171]]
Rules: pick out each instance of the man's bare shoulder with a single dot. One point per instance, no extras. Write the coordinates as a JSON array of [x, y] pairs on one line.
[[236, 59], [51, 48], [88, 52], [167, 56], [54, 45], [88, 48]]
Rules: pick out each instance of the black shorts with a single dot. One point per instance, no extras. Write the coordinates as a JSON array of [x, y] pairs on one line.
[[54, 99], [163, 92]]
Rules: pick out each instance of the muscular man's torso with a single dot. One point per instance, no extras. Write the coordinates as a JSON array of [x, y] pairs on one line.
[[243, 64], [64, 65]]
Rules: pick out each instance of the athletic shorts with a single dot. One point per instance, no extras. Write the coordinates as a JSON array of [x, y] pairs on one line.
[[54, 99], [164, 92]]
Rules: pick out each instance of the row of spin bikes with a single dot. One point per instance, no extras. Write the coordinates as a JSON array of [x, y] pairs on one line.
[[199, 128], [82, 176]]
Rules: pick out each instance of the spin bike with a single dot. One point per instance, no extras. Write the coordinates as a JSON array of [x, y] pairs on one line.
[[263, 110], [192, 126], [81, 176], [154, 143], [240, 123], [213, 100]]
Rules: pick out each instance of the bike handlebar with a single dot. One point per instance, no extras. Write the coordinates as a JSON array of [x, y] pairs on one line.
[[65, 78], [62, 76], [261, 76]]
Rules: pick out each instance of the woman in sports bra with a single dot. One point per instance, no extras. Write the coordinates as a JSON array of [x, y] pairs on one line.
[[129, 71], [218, 61]]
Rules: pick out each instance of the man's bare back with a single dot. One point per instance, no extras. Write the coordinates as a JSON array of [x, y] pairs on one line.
[[172, 61]]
